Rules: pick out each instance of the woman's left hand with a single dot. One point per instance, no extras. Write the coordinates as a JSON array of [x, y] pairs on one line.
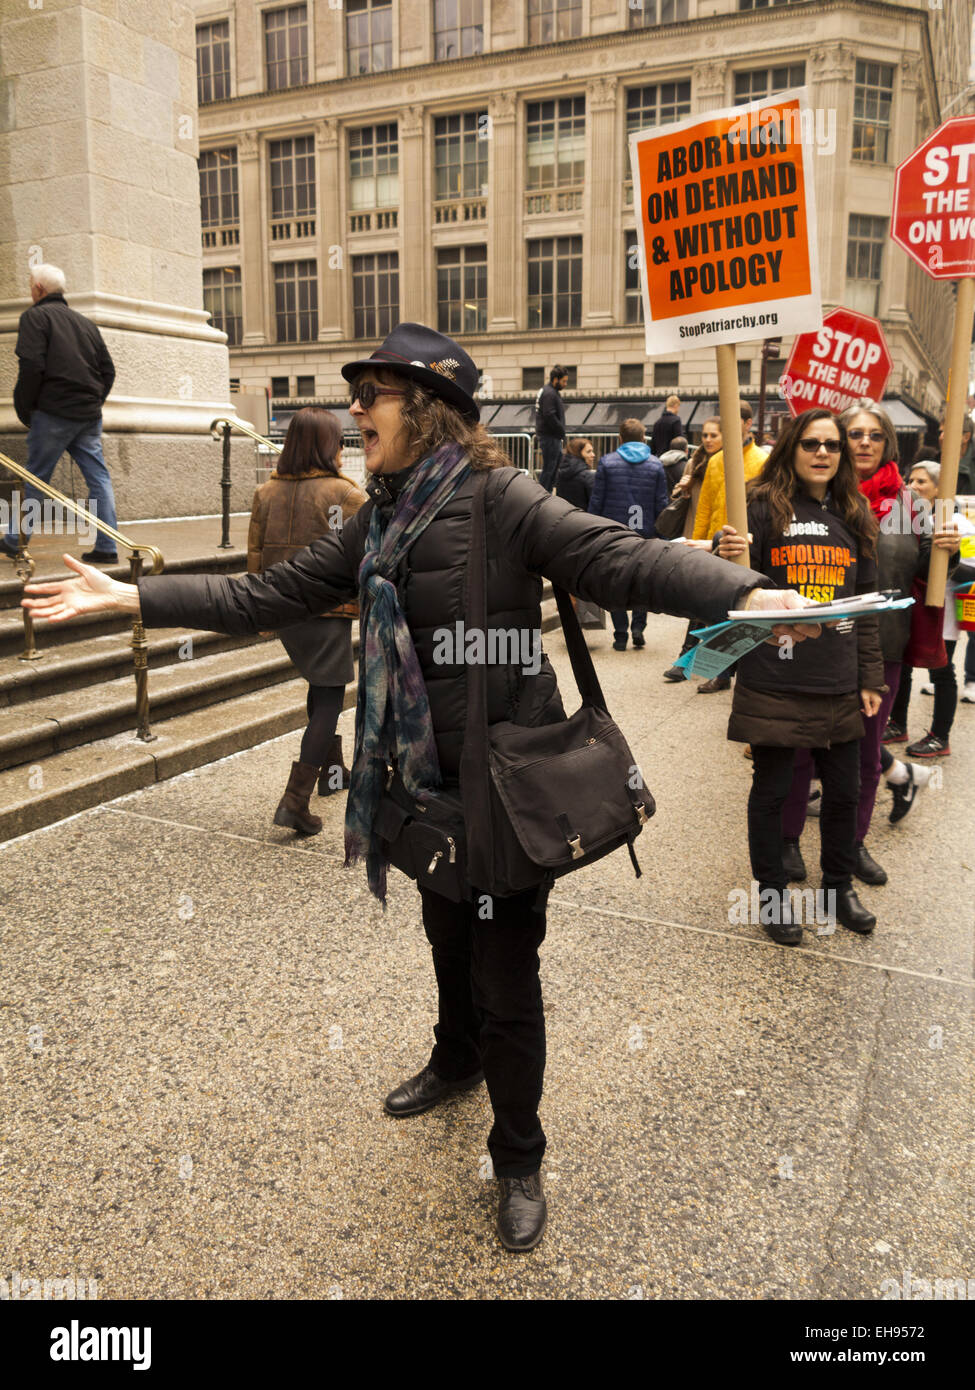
[[871, 700], [946, 539]]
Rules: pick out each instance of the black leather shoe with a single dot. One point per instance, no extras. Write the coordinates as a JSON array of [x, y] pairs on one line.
[[424, 1091], [851, 913], [867, 869], [639, 641], [100, 557], [676, 673], [792, 861], [781, 927], [11, 554], [522, 1212]]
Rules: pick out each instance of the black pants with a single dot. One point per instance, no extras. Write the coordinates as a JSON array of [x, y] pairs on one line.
[[551, 457], [324, 705], [490, 1015], [945, 684], [838, 769]]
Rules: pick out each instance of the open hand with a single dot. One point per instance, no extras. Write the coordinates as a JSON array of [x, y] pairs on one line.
[[91, 592]]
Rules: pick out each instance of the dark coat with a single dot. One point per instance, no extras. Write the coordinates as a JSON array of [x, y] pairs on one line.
[[574, 481], [631, 490], [529, 534], [665, 429], [902, 557], [813, 699], [65, 367], [550, 413]]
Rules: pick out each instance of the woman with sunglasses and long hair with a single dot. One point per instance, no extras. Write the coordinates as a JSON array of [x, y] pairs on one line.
[[810, 529], [305, 496], [406, 554]]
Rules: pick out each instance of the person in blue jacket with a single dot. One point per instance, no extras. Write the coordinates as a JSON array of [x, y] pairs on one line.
[[631, 488]]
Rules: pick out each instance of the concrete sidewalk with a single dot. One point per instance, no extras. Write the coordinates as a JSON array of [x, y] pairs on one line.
[[199, 1018]]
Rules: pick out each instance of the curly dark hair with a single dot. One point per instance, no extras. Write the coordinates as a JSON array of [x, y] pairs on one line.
[[431, 422], [778, 482]]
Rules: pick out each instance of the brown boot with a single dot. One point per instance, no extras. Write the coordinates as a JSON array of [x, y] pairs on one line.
[[293, 807], [333, 760]]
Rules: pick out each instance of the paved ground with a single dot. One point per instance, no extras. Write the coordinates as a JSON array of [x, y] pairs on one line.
[[198, 1020]]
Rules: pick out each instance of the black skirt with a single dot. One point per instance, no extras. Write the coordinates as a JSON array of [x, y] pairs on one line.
[[321, 648]]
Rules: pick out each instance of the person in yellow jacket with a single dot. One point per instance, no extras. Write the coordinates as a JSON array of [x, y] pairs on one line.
[[712, 508]]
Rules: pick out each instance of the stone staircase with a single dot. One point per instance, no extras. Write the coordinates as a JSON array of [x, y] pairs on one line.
[[68, 721]]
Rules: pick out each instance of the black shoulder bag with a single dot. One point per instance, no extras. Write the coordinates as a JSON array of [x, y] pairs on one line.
[[534, 802]]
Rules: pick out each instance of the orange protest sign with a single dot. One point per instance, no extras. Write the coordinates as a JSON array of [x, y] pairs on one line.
[[726, 225]]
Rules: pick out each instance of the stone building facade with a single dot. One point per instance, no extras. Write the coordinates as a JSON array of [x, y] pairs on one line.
[[464, 163]]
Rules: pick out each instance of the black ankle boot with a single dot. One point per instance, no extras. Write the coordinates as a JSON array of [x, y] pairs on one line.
[[851, 913], [335, 776], [522, 1212], [867, 869], [792, 861]]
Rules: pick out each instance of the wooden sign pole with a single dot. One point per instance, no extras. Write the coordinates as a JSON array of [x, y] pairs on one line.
[[961, 340], [729, 395]]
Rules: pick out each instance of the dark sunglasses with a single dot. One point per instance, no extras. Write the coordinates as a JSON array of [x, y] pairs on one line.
[[875, 436], [813, 446], [365, 392]]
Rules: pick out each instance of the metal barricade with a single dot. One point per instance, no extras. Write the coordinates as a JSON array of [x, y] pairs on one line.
[[520, 448]]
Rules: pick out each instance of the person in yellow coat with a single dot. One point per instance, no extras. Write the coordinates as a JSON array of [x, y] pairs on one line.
[[712, 511], [712, 508]]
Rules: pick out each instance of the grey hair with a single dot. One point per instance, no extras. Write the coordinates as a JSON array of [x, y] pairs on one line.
[[932, 469], [891, 451], [49, 277]]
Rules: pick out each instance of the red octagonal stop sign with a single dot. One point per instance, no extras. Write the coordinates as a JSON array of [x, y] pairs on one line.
[[845, 360], [934, 201]]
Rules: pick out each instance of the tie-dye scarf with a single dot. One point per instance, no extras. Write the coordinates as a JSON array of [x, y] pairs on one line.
[[392, 716]]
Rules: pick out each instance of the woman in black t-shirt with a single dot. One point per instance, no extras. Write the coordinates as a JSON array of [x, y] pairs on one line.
[[810, 530]]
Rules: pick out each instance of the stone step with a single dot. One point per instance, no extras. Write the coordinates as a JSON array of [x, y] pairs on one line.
[[83, 663], [55, 723]]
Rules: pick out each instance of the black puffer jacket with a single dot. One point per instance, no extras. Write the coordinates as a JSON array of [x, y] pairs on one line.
[[574, 481], [529, 533], [65, 367]]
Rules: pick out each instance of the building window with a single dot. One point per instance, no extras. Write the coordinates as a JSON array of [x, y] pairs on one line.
[[551, 21], [763, 4], [644, 14], [460, 156], [864, 262], [292, 176], [296, 301], [765, 82], [462, 289], [632, 291], [458, 29], [657, 105], [221, 299], [631, 375], [375, 294], [666, 373], [286, 47], [213, 61], [280, 386], [555, 282], [532, 378], [305, 386], [368, 36], [556, 132], [374, 166], [219, 205], [745, 373], [872, 96]]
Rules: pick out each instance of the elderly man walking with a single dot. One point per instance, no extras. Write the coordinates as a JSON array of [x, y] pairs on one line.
[[65, 374]]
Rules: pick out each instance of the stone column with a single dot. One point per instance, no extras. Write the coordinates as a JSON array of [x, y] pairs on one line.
[[602, 249], [101, 147], [831, 100], [414, 303], [708, 87], [505, 247], [332, 270], [253, 254]]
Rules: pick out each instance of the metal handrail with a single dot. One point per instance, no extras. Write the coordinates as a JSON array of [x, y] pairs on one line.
[[25, 570], [221, 428]]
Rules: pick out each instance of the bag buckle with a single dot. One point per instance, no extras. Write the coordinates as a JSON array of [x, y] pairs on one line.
[[641, 812], [575, 844]]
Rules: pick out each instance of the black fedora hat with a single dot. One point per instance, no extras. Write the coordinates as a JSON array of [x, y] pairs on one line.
[[432, 359]]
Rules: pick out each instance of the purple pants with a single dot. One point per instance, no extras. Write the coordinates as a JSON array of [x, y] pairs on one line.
[[794, 810]]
